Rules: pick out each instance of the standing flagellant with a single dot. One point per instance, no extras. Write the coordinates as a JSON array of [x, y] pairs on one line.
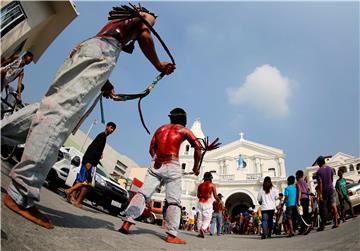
[[205, 206], [165, 166]]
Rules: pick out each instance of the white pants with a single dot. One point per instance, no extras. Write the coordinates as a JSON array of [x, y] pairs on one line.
[[170, 173], [205, 214], [46, 126]]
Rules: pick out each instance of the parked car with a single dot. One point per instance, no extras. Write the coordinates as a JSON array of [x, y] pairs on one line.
[[354, 194], [67, 157], [106, 193], [156, 207]]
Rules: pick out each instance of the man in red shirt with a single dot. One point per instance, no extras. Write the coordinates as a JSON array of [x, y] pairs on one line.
[[205, 205], [165, 167]]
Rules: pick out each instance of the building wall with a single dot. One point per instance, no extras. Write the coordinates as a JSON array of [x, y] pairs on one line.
[[45, 20], [138, 172]]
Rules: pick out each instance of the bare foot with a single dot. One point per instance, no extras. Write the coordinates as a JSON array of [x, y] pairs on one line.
[[68, 196], [174, 239], [201, 234], [78, 205], [31, 214]]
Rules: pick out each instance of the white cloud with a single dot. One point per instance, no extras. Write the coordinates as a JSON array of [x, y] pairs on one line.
[[265, 90]]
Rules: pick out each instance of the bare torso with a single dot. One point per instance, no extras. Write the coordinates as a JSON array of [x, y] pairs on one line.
[[205, 190], [166, 142]]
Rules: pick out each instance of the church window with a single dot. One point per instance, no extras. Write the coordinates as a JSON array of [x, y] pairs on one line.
[[183, 166], [358, 166], [241, 162], [187, 148], [272, 170], [351, 168]]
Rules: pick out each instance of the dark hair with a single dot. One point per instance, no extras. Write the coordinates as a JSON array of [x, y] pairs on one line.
[[320, 161], [281, 194], [291, 180], [29, 54], [267, 185], [112, 124], [143, 9], [178, 116], [299, 174], [208, 176], [342, 169]]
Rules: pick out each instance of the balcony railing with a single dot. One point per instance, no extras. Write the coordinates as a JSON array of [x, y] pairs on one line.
[[253, 176], [225, 177]]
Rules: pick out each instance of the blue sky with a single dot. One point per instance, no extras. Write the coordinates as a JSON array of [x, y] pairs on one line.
[[284, 73]]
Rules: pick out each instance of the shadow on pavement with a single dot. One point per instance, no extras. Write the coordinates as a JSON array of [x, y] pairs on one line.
[[63, 219], [141, 231], [3, 235]]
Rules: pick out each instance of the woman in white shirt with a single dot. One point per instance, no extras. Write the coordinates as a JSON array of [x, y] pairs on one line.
[[267, 197]]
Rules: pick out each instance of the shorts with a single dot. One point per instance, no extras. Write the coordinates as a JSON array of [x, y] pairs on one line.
[[330, 198], [291, 212], [191, 221], [84, 175], [343, 199]]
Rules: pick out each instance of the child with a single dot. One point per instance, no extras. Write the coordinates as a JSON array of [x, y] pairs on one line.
[[343, 195], [290, 200], [303, 199]]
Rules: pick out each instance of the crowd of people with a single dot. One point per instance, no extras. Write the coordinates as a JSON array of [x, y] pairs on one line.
[[295, 210]]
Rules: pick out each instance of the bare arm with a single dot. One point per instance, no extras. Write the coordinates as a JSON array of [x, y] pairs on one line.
[[320, 189], [147, 46], [197, 156], [20, 80], [298, 193], [215, 193], [152, 149], [197, 150]]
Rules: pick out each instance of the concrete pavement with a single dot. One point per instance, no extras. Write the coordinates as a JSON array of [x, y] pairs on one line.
[[91, 229]]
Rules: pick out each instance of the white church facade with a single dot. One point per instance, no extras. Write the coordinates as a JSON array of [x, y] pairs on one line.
[[238, 168]]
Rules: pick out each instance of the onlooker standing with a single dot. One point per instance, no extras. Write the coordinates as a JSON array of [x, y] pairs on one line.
[[14, 70], [303, 199], [343, 195], [290, 200], [256, 223], [217, 216], [192, 215], [267, 197], [326, 194], [281, 218], [91, 159], [227, 219], [185, 219]]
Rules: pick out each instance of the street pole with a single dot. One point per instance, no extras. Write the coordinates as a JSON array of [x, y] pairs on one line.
[[87, 135]]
